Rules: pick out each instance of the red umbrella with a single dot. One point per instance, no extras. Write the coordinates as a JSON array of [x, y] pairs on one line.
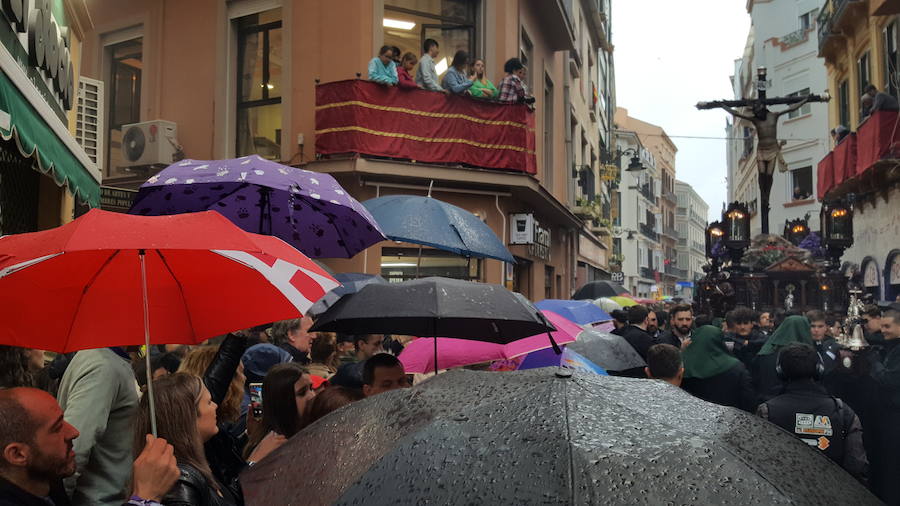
[[110, 279]]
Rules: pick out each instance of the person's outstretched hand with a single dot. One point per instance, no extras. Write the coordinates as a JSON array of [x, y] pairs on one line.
[[270, 443], [155, 470]]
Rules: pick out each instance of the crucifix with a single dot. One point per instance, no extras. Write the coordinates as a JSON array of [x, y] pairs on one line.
[[765, 122]]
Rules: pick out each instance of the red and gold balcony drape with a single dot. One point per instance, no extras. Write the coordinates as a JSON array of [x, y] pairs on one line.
[[362, 117]]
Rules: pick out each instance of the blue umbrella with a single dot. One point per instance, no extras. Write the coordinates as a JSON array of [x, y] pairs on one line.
[[351, 282], [581, 312], [569, 359], [431, 222]]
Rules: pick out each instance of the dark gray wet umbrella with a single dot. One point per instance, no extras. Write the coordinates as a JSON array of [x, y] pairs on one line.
[[609, 351], [530, 437], [597, 289], [435, 307], [351, 282]]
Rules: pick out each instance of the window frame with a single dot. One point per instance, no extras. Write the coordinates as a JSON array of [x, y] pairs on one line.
[[889, 41], [811, 190], [803, 111], [241, 33], [844, 103], [864, 78]]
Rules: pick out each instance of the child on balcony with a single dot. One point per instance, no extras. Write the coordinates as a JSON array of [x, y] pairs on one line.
[[405, 80]]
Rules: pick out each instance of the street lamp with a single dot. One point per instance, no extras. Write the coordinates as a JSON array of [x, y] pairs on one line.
[[634, 164], [836, 219]]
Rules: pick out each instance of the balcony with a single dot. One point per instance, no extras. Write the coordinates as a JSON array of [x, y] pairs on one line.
[[670, 232], [698, 246], [682, 242], [648, 232], [647, 192], [363, 118], [670, 196], [648, 272], [675, 271], [833, 20], [864, 161], [884, 7]]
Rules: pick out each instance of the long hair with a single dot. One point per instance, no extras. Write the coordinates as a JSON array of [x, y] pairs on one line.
[[177, 411], [279, 409], [196, 363], [14, 367], [328, 400], [460, 59]]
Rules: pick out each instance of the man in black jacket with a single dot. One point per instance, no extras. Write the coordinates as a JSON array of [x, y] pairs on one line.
[[36, 454], [681, 322], [806, 410], [826, 346], [636, 330], [746, 340], [884, 419], [293, 336]]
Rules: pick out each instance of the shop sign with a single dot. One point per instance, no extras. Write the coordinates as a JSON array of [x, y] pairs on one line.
[[618, 277], [41, 47], [540, 248], [116, 199]]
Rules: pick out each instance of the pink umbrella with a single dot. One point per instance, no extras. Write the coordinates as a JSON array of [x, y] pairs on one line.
[[418, 356]]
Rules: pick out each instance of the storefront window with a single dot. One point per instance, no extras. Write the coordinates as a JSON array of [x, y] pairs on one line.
[[126, 63], [401, 264], [19, 191], [407, 23], [259, 84]]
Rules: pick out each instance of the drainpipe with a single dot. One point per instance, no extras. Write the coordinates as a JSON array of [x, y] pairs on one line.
[[502, 237]]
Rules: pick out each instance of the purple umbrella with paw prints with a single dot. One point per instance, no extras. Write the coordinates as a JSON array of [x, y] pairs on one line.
[[309, 210]]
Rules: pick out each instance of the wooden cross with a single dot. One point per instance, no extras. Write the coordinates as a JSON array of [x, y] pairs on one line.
[[765, 122]]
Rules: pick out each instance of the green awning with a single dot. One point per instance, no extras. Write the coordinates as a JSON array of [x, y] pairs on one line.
[[36, 139]]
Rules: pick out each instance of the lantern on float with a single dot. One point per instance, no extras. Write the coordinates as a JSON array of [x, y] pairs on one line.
[[796, 230]]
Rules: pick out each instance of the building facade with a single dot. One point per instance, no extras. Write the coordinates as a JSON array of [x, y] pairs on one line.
[[859, 41], [46, 176], [782, 38], [242, 77], [690, 222], [640, 220]]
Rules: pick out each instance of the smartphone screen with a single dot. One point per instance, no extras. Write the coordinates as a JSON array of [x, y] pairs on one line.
[[256, 399]]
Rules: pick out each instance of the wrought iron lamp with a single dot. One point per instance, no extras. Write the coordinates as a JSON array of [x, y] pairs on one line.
[[796, 230], [736, 222], [837, 229]]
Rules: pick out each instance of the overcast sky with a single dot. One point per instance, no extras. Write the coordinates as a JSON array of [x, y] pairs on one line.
[[669, 55]]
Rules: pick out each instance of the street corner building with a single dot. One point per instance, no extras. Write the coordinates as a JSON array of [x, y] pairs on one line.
[[46, 175], [287, 80]]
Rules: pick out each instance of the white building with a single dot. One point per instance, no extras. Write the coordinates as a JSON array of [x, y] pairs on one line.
[[640, 220], [783, 39], [690, 222]]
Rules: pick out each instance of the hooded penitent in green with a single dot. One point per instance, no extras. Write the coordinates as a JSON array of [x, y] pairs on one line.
[[794, 329], [707, 356]]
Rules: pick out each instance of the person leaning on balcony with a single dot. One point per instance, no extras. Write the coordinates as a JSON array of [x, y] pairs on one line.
[[874, 100], [405, 79], [382, 68], [511, 88], [427, 77], [482, 87], [455, 79]]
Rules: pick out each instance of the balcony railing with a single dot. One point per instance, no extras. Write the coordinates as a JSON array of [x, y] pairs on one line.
[[699, 246], [830, 18], [670, 196], [675, 271], [648, 232], [647, 192], [843, 168], [682, 242], [670, 232], [648, 272], [361, 117]]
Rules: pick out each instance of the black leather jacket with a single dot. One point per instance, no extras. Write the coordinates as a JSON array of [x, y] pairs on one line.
[[223, 451], [192, 489]]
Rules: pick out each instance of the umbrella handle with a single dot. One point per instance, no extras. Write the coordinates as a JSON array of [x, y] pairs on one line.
[[556, 348], [152, 400]]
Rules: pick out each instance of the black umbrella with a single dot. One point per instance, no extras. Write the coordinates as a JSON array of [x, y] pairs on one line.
[[597, 289], [435, 307], [530, 437], [609, 351]]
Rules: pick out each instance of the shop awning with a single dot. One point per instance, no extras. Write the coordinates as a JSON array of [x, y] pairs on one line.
[[35, 139]]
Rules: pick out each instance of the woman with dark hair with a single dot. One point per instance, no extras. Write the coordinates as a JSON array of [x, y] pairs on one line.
[[329, 400], [18, 366], [286, 391], [186, 418], [455, 79], [512, 87]]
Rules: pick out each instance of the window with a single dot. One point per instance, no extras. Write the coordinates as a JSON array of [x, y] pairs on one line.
[[407, 23], [401, 264], [801, 183], [526, 49], [748, 142], [844, 103], [259, 84], [803, 110], [808, 19], [126, 62], [548, 133], [890, 59], [862, 69]]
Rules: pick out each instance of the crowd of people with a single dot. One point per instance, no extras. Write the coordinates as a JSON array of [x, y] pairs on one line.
[[464, 76], [76, 429], [789, 369]]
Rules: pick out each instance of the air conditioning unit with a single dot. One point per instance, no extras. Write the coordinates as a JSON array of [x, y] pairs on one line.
[[521, 228], [149, 143]]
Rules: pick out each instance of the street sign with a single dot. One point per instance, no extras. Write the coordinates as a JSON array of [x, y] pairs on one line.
[[618, 277]]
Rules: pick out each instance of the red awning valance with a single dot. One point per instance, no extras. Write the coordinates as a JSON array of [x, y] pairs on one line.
[[845, 154], [877, 137], [362, 117]]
